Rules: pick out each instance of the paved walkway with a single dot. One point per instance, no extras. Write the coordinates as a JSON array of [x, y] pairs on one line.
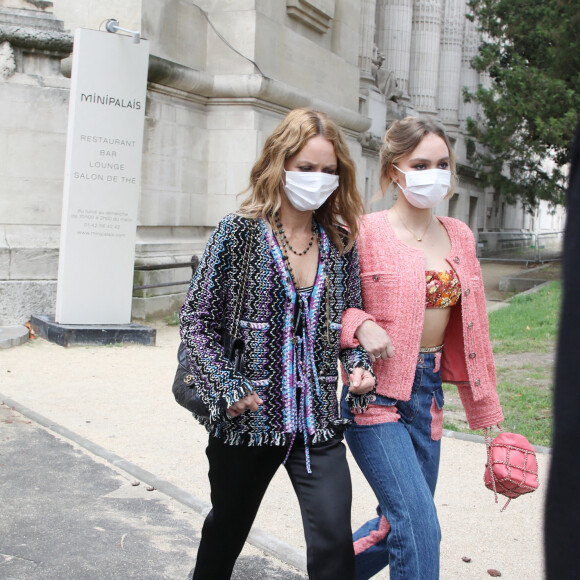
[[69, 514], [80, 425]]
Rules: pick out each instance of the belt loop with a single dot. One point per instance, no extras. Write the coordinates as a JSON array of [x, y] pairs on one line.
[[437, 365]]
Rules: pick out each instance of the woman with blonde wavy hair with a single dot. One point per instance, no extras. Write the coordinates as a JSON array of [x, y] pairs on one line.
[[281, 408], [424, 322]]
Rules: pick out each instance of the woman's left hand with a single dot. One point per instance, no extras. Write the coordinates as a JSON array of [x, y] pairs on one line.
[[361, 381], [251, 402]]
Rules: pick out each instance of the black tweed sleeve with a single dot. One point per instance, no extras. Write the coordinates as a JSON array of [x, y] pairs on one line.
[[355, 357], [208, 309]]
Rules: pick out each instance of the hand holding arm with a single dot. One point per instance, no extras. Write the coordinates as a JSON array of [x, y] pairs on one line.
[[375, 340]]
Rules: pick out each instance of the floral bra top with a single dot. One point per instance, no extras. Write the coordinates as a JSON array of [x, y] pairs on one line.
[[443, 288]]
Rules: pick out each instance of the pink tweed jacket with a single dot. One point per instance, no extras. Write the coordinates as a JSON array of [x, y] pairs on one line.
[[393, 288]]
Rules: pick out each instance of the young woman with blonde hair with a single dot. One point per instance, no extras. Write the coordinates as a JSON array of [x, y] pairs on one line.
[[424, 322], [282, 409]]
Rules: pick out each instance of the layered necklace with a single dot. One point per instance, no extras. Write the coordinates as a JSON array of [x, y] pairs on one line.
[[419, 238], [286, 245]]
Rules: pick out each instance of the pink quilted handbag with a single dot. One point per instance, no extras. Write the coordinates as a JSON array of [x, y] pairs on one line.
[[512, 469]]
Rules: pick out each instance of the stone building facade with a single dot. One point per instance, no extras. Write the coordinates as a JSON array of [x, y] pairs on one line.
[[222, 74]]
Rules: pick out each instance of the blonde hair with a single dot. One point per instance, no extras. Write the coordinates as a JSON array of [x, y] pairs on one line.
[[402, 138], [343, 207]]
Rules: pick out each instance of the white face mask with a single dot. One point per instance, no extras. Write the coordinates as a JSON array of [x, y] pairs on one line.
[[426, 188], [308, 190]]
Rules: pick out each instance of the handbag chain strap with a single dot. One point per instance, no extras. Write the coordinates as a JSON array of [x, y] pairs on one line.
[[241, 293], [490, 464]]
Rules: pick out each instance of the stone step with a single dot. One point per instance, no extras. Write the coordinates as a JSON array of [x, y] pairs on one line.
[[13, 336]]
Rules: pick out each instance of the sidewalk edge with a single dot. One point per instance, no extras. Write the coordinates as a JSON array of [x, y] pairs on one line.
[[481, 439]]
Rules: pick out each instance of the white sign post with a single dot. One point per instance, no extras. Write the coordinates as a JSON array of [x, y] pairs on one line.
[[102, 179]]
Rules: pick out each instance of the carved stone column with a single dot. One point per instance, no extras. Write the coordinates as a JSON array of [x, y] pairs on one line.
[[36, 5], [425, 46], [449, 91], [394, 19], [469, 76], [367, 40], [32, 40]]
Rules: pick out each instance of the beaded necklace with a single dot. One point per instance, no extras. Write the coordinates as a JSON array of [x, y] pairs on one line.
[[285, 243]]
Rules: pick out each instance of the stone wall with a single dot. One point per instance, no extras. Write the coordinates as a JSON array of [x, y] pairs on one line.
[[221, 75], [33, 118]]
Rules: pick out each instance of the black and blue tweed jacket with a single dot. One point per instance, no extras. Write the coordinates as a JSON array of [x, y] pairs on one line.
[[266, 325]]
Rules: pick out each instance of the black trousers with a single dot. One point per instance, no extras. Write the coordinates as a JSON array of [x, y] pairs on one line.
[[239, 476]]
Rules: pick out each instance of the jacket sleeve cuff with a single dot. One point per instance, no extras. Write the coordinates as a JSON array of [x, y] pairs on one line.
[[352, 318], [482, 413], [351, 359], [360, 403], [356, 357], [234, 394], [477, 423], [219, 406]]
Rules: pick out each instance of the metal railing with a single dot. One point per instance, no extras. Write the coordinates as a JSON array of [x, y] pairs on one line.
[[193, 264], [528, 247]]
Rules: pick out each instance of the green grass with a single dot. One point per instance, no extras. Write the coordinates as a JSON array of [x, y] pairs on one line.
[[523, 335], [525, 393], [527, 409], [529, 323], [173, 320]]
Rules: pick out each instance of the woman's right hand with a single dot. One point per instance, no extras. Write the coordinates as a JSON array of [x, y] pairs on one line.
[[250, 402], [375, 340]]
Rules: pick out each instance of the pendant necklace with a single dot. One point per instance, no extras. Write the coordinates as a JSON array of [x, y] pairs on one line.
[[420, 238]]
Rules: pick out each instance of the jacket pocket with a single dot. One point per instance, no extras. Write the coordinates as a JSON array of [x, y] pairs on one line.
[[261, 388], [255, 337], [326, 379], [380, 293], [252, 325]]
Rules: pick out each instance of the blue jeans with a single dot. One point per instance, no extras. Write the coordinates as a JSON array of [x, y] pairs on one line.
[[398, 451]]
